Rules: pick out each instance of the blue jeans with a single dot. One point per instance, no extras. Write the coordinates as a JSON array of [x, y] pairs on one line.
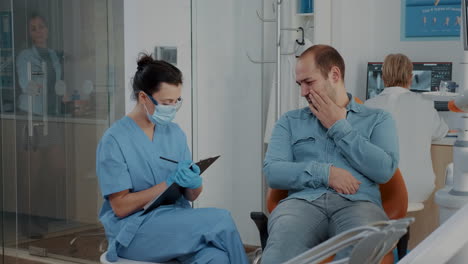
[[298, 225]]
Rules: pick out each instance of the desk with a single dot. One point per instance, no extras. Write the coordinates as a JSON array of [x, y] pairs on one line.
[[427, 220]]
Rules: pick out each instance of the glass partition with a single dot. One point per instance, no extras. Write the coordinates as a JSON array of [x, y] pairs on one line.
[[58, 94]]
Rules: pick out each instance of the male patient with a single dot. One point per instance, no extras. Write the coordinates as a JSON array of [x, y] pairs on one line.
[[331, 156]]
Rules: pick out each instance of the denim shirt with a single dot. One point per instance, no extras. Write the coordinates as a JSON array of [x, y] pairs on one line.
[[301, 151]]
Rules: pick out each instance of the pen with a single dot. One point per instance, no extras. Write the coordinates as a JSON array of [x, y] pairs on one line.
[[173, 161]]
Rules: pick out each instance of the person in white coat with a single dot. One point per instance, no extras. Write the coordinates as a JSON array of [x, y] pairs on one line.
[[417, 122]]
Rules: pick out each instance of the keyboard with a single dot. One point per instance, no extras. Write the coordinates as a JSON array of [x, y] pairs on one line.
[[441, 105]]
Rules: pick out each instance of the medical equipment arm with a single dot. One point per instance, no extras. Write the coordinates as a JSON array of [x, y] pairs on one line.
[[460, 103], [460, 147]]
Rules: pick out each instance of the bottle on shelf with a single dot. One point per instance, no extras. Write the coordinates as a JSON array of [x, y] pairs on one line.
[[305, 7]]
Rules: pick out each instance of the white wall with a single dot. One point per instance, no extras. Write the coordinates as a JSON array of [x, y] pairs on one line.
[[228, 106], [226, 94], [150, 23], [322, 24], [367, 30]]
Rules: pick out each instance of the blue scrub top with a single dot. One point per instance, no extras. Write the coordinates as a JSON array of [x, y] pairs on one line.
[[127, 159]]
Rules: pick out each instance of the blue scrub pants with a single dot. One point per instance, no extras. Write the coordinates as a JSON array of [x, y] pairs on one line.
[[204, 235], [298, 225]]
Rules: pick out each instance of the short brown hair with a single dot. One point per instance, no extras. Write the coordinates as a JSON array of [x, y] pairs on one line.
[[325, 58], [397, 70]]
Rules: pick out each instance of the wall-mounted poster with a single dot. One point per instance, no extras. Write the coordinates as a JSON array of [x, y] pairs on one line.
[[432, 18]]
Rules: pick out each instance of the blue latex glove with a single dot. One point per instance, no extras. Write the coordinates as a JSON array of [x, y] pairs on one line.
[[186, 176]]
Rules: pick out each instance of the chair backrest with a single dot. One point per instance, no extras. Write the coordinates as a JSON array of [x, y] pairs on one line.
[[394, 197]]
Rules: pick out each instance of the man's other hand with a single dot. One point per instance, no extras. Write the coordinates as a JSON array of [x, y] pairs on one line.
[[342, 181]]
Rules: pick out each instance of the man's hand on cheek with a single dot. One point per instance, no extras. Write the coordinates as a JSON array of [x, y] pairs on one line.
[[325, 109]]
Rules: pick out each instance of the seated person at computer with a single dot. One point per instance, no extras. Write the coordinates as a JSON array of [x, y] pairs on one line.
[[331, 156], [131, 174], [417, 122]]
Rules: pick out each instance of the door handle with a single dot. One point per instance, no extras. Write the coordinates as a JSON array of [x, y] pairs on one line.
[[30, 100], [44, 99]]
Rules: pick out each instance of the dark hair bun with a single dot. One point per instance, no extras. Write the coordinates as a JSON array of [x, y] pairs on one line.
[[143, 60], [151, 73]]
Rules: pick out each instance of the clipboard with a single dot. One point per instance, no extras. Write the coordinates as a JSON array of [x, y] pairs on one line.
[[175, 191]]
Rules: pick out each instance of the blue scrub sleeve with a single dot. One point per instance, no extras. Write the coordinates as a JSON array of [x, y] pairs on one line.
[[111, 167], [186, 152]]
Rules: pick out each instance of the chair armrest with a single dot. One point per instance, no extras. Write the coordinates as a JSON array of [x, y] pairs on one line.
[[261, 221]]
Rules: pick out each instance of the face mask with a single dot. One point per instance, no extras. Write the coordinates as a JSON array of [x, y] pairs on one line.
[[163, 114]]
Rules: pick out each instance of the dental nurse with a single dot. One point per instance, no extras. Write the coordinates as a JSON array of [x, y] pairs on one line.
[[131, 174]]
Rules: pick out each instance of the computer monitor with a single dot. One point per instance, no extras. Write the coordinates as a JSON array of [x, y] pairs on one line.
[[426, 77]]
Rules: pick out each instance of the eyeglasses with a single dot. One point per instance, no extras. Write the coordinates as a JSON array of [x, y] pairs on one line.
[[177, 104]]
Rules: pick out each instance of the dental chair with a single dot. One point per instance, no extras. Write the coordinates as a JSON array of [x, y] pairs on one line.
[[371, 243], [394, 201]]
